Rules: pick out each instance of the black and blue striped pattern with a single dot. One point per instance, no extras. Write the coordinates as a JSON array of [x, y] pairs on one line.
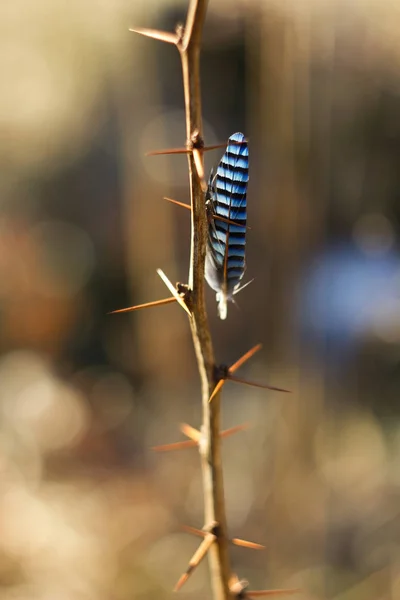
[[225, 259]]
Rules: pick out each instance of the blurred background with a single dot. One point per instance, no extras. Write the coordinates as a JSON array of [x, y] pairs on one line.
[[87, 510]]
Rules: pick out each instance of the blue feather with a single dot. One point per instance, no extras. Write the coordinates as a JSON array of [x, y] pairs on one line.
[[226, 198]]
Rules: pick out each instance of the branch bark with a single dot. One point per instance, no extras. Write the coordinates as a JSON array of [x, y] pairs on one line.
[[210, 446]]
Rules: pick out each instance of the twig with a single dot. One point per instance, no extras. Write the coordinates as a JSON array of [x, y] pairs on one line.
[[210, 448], [188, 42]]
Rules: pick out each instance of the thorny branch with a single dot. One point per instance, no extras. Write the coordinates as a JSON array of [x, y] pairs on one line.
[[191, 297], [210, 447], [188, 41]]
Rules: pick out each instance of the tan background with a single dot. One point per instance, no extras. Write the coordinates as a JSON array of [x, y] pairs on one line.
[[87, 511]]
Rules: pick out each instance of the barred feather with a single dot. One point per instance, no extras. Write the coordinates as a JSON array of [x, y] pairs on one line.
[[226, 195]]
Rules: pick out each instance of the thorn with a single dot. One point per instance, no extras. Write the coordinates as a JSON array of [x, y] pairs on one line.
[[195, 143], [195, 437], [163, 36], [214, 147], [146, 305], [228, 375], [175, 446], [178, 203], [244, 358], [182, 150], [237, 541], [194, 531], [213, 216], [258, 385], [168, 151], [217, 388], [183, 579], [172, 289], [221, 145], [233, 368], [197, 557], [265, 593], [234, 430], [247, 544], [239, 588], [191, 432]]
